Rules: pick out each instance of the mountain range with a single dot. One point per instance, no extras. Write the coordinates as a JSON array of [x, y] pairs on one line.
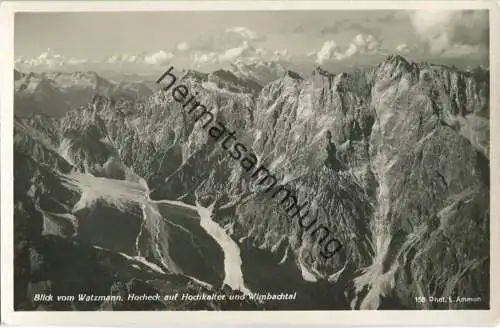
[[117, 191]]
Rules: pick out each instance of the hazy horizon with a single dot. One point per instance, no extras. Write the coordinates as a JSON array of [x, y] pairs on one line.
[[148, 42]]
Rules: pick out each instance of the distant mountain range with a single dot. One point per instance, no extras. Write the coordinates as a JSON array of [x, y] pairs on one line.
[[55, 93]]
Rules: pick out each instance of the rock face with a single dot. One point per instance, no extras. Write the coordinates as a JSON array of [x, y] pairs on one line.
[[260, 72], [393, 160]]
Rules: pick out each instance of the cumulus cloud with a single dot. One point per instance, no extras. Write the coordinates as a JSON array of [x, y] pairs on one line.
[[244, 53], [229, 38], [364, 44], [360, 44], [205, 58], [76, 61], [353, 26], [122, 58], [245, 33], [182, 46], [159, 58], [156, 58], [49, 59], [403, 48], [231, 54], [311, 54], [328, 51], [452, 32], [462, 50], [281, 55], [393, 16]]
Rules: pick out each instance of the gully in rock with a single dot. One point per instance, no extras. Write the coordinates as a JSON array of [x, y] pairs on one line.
[[248, 161]]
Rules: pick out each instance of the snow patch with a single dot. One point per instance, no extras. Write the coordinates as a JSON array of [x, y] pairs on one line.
[[232, 259], [117, 193], [307, 275], [284, 256]]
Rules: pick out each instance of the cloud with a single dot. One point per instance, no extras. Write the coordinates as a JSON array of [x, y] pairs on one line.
[[332, 29], [244, 53], [298, 29], [122, 58], [49, 59], [229, 38], [182, 46], [245, 33], [361, 44], [311, 53], [159, 58], [76, 61], [205, 58], [366, 43], [393, 16], [452, 32], [281, 55], [232, 54], [462, 50], [327, 52], [347, 25]]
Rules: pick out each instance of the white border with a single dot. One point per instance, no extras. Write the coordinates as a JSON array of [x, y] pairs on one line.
[[355, 317]]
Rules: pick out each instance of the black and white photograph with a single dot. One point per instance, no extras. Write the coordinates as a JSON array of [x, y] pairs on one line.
[[250, 160]]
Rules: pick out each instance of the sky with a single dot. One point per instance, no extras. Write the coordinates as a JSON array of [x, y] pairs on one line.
[[146, 41]]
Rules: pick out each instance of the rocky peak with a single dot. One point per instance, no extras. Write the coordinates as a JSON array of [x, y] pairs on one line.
[[394, 67], [397, 62], [17, 75], [320, 71], [322, 78], [396, 58], [260, 72], [227, 79], [196, 76], [293, 75]]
